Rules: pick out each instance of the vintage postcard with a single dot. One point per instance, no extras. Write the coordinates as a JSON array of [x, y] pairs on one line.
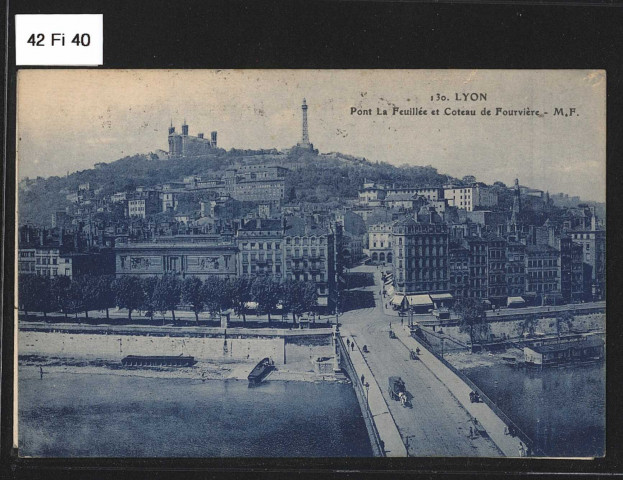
[[311, 263]]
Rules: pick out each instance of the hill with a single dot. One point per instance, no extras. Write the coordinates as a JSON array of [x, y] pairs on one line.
[[313, 178]]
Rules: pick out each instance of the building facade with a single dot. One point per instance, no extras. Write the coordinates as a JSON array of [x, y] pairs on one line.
[[420, 260], [202, 256], [543, 273], [380, 243], [497, 289], [470, 197], [458, 259], [515, 268], [593, 244], [260, 242], [477, 247]]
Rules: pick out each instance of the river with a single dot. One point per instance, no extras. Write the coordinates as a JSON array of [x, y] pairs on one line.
[[110, 415], [561, 409]]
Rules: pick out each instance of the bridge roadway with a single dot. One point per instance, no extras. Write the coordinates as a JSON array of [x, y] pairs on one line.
[[439, 420]]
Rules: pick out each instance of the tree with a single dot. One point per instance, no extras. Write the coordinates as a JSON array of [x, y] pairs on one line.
[[192, 294], [89, 289], [149, 288], [75, 298], [105, 293], [241, 295], [43, 294], [563, 319], [528, 324], [298, 297], [167, 294], [310, 296], [27, 296], [60, 292], [216, 294], [290, 298], [472, 318], [129, 293], [266, 292]]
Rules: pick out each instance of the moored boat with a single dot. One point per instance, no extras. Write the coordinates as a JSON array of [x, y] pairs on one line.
[[260, 371]]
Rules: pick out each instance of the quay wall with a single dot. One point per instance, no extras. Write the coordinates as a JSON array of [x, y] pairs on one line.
[[282, 347]]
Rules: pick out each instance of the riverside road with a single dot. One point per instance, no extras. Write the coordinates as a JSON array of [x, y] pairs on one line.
[[436, 423]]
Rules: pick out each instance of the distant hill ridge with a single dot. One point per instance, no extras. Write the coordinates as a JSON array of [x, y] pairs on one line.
[[313, 178]]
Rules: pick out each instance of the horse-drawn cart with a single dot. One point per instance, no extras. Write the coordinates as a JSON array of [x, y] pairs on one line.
[[396, 387]]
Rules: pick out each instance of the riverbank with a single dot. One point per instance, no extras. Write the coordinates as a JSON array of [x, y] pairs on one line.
[[595, 322], [301, 371], [464, 360]]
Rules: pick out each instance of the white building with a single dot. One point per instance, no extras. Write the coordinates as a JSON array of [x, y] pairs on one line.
[[470, 197], [118, 197], [137, 208], [380, 243]]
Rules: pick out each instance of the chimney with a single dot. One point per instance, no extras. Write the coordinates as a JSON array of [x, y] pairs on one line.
[[213, 134], [200, 135], [185, 129]]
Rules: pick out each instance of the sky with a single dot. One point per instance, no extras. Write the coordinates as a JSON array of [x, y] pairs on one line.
[[69, 120]]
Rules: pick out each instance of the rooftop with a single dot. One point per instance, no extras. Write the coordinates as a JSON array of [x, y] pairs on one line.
[[540, 249], [586, 342]]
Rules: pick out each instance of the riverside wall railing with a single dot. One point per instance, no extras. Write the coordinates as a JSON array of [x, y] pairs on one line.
[[377, 443], [518, 431]]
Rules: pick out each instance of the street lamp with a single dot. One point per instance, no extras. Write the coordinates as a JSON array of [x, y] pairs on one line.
[[367, 385]]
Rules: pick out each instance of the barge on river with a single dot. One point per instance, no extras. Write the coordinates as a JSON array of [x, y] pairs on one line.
[[587, 349], [260, 371], [158, 361]]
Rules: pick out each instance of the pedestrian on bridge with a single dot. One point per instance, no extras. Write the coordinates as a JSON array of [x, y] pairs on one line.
[[348, 342], [362, 378], [352, 346]]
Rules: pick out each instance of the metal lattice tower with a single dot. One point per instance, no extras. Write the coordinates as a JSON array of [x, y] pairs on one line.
[[305, 139]]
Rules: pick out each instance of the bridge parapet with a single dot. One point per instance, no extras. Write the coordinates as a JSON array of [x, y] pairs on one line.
[[382, 429]]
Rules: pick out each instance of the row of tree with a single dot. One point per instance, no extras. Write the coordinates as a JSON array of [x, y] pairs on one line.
[[162, 294]]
